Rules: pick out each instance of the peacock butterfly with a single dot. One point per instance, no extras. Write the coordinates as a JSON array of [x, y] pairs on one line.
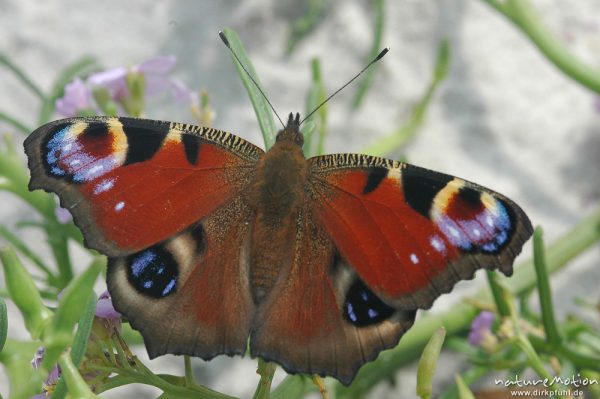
[[321, 262]]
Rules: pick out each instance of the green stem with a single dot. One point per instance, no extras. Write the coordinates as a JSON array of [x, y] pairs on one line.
[[375, 49], [266, 371], [21, 76], [15, 123], [524, 16], [543, 286], [400, 136], [498, 293]]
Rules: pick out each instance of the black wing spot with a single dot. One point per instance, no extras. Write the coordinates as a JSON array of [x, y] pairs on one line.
[[199, 237], [96, 130], [143, 141], [470, 195], [374, 179], [191, 144], [363, 308], [153, 272], [420, 186]]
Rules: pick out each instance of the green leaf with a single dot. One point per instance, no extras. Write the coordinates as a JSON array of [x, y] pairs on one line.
[[293, 387], [16, 357], [428, 362], [367, 79], [24, 293], [543, 284], [499, 292], [84, 328], [463, 390], [306, 23], [75, 382], [3, 323], [259, 102], [22, 247], [59, 333], [316, 96], [78, 68]]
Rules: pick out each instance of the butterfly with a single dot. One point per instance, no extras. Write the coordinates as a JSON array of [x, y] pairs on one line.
[[321, 263]]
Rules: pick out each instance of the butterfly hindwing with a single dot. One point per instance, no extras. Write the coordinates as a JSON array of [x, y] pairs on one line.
[[190, 294], [320, 318], [131, 183], [411, 233]]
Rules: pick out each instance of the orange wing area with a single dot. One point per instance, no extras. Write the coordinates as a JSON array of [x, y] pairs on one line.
[[131, 183], [411, 233]]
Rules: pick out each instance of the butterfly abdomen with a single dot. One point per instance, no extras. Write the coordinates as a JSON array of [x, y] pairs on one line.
[[276, 195]]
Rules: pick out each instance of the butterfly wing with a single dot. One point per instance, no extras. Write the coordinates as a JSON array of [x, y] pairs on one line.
[[131, 183], [411, 233], [189, 294], [302, 324], [164, 201]]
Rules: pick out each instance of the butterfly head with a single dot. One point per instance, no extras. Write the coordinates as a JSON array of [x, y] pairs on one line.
[[291, 132]]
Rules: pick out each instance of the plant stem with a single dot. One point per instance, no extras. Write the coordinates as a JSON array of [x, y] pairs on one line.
[[524, 16]]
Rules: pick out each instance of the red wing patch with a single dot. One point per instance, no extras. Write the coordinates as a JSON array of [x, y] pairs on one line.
[[411, 233], [131, 183]]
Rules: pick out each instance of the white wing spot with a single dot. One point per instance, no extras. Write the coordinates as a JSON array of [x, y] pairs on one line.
[[437, 244], [119, 206], [414, 258]]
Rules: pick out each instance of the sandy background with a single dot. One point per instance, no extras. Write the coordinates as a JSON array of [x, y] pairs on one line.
[[504, 118]]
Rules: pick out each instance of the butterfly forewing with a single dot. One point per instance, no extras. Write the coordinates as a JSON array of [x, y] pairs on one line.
[[130, 183], [411, 233]]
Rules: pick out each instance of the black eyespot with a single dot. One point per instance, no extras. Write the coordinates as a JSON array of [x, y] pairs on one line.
[[363, 308], [153, 272]]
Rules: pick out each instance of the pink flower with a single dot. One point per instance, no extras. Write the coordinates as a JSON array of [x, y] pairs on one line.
[[53, 377], [481, 326], [77, 97], [105, 308], [62, 215]]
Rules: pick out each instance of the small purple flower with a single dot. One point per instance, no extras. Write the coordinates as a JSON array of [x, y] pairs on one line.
[[105, 308], [597, 104], [77, 97], [480, 327], [112, 80], [111, 319], [53, 376], [37, 358], [62, 215], [80, 95]]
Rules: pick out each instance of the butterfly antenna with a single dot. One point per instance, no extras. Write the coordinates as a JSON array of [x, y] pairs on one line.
[[224, 39], [379, 56]]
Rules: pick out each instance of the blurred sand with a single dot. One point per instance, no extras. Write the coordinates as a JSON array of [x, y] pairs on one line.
[[504, 118]]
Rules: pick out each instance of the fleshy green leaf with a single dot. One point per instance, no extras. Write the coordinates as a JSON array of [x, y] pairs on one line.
[[261, 106], [428, 362], [84, 327], [3, 323], [59, 333], [24, 293]]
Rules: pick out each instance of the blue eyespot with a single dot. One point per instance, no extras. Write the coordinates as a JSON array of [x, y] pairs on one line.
[[153, 272]]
